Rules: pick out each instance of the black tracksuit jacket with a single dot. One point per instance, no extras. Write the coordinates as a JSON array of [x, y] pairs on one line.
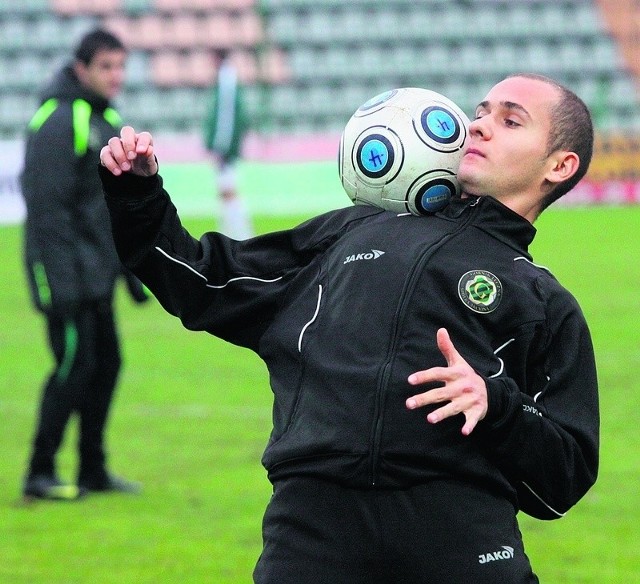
[[344, 307]]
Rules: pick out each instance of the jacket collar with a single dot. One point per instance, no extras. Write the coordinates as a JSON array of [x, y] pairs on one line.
[[494, 218]]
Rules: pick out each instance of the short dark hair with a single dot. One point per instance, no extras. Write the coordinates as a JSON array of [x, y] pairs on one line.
[[95, 41], [571, 130]]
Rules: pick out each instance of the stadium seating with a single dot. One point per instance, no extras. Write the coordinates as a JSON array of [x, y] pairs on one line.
[[310, 63], [362, 47]]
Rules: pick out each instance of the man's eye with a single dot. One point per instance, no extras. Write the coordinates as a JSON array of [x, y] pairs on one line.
[[511, 123]]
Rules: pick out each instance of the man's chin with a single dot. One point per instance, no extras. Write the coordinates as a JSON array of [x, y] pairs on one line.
[[468, 188]]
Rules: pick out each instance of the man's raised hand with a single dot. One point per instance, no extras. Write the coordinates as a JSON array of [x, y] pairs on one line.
[[131, 152]]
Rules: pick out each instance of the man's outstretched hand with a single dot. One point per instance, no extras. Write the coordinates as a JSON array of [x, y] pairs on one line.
[[463, 390]]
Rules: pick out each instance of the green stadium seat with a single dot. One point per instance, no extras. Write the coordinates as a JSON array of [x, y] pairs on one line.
[[14, 32], [138, 68], [137, 7], [15, 111], [22, 7], [348, 49]]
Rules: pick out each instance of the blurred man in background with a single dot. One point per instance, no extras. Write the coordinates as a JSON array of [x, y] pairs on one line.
[[225, 126], [72, 265]]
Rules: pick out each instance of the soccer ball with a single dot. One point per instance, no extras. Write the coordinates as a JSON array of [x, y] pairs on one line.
[[401, 151]]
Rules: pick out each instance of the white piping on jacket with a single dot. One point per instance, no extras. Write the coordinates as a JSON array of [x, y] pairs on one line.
[[217, 287], [534, 399], [541, 501], [501, 361], [530, 262], [315, 315]]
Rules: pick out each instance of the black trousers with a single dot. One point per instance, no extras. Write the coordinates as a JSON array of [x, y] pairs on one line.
[[87, 362], [444, 532]]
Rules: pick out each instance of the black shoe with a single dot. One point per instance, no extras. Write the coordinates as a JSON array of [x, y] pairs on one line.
[[51, 488], [110, 483]]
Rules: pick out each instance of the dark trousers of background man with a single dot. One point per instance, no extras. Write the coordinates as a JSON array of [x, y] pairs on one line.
[[87, 361]]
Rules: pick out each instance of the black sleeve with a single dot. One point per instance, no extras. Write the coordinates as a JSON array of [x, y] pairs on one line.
[[547, 439], [229, 288]]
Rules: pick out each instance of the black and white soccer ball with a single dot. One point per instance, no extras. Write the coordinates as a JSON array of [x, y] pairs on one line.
[[401, 151]]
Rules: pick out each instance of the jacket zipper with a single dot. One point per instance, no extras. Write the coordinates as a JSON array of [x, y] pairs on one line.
[[378, 419]]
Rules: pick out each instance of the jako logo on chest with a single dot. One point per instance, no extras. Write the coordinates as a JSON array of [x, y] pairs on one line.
[[374, 254]]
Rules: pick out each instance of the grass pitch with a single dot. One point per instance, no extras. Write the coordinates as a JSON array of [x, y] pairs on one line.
[[192, 415]]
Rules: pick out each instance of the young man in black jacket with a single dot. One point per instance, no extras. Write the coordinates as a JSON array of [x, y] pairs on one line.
[[72, 265], [423, 396]]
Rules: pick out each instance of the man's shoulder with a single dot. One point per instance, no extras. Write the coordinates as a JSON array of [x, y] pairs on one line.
[[540, 277], [329, 226], [345, 215], [52, 115]]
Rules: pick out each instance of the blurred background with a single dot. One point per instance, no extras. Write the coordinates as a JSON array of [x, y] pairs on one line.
[[309, 64]]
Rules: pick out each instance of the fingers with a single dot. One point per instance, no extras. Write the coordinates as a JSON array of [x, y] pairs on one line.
[[128, 138], [112, 155], [463, 390], [144, 144], [451, 355], [438, 395], [468, 401], [446, 347], [469, 425], [131, 152], [428, 375]]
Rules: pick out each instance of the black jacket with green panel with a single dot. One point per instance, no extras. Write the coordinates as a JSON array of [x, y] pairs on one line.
[[69, 251]]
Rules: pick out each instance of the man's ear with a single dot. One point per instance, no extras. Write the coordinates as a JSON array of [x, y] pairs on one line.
[[563, 165]]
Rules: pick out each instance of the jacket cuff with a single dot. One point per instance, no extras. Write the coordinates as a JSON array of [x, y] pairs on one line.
[[127, 185], [503, 402]]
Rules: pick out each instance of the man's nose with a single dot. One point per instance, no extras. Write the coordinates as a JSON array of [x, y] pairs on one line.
[[479, 127]]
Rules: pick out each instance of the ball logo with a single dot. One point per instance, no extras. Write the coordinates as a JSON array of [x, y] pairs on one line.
[[377, 100], [480, 291], [434, 196], [440, 125], [375, 156]]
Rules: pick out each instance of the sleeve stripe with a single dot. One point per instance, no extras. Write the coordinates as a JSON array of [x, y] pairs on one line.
[[315, 315], [541, 501], [220, 286]]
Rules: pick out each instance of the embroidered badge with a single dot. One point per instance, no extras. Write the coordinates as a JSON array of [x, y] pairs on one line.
[[480, 290]]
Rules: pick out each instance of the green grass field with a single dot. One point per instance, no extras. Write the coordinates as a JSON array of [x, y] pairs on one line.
[[192, 416]]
